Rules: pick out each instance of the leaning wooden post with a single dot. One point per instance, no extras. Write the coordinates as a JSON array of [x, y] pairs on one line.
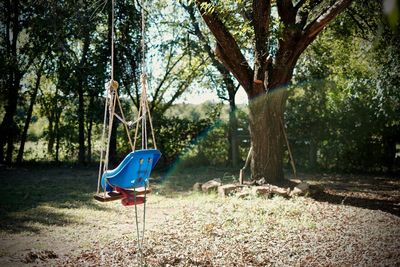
[[241, 174], [289, 150]]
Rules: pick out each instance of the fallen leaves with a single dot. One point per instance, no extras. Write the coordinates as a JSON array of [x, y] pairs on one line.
[[260, 232]]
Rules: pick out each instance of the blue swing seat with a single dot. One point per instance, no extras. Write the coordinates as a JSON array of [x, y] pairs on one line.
[[133, 172]]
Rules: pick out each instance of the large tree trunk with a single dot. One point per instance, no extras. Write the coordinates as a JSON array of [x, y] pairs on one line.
[[266, 115]]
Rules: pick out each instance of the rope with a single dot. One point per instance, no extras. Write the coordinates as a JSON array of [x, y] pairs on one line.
[[125, 124], [103, 136], [144, 132], [151, 126], [103, 166], [110, 124], [128, 123], [112, 38], [143, 41]]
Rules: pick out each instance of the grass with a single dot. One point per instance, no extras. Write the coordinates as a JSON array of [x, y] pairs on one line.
[[52, 209]]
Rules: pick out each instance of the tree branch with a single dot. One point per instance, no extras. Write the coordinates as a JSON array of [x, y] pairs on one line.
[[261, 13], [169, 68], [323, 19], [226, 45], [205, 42], [299, 4], [286, 11]]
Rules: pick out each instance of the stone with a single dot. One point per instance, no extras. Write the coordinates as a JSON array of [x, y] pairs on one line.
[[210, 186], [284, 192], [197, 186], [225, 190], [303, 186], [251, 183], [301, 189], [260, 181], [217, 180], [315, 189], [261, 191], [243, 194]]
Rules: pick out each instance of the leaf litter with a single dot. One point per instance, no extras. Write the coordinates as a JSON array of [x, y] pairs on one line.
[[207, 231]]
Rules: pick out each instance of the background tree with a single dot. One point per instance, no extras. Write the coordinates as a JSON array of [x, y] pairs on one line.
[[12, 21], [225, 86], [336, 113]]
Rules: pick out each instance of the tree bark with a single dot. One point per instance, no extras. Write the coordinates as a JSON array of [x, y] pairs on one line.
[[57, 136], [51, 136], [29, 114], [8, 128], [81, 125], [266, 114], [81, 101], [312, 154], [90, 128], [53, 116]]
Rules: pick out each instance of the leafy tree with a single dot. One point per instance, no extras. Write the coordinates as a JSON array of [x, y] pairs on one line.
[[299, 25], [224, 85], [12, 21], [342, 108]]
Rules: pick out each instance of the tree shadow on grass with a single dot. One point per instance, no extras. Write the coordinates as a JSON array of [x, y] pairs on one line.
[[369, 192], [26, 221], [34, 195]]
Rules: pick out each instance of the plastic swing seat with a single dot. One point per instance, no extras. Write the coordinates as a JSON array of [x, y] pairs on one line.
[[132, 173]]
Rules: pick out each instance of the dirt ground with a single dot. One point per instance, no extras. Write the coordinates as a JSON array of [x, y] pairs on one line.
[[48, 218]]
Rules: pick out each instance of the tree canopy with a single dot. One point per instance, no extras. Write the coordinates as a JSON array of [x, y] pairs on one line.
[[325, 70]]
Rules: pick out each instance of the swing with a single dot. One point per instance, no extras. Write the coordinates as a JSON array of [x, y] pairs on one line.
[[132, 172], [129, 181]]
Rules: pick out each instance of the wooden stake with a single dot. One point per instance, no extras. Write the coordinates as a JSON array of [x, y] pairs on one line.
[[246, 164], [290, 151]]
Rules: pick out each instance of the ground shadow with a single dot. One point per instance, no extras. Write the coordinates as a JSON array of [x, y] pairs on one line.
[[24, 192], [369, 192]]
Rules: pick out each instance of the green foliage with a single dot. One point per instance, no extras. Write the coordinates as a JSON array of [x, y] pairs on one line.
[[176, 135], [343, 111]]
